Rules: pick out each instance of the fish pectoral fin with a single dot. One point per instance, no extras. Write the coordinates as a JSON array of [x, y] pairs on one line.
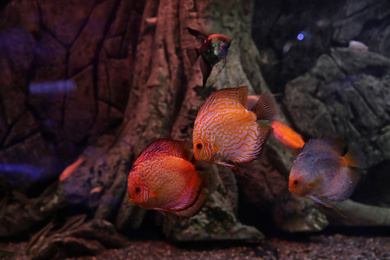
[[316, 182], [152, 194], [327, 205], [231, 166]]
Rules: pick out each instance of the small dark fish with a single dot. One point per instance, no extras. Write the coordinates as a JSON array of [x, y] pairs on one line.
[[321, 173], [214, 48]]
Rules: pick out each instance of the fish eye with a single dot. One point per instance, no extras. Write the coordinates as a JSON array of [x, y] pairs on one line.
[[137, 189], [295, 182], [199, 146]]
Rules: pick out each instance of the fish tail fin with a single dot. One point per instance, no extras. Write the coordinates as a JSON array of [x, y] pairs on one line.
[[192, 55], [355, 157], [265, 108]]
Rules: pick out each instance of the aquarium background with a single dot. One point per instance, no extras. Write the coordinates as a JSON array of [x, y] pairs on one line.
[[96, 81]]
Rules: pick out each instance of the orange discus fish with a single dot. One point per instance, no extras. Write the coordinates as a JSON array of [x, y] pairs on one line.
[[227, 132], [163, 178], [287, 136], [320, 172], [68, 171]]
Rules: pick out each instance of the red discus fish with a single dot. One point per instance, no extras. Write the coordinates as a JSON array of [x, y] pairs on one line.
[[214, 48], [226, 131], [163, 178], [287, 136], [321, 173]]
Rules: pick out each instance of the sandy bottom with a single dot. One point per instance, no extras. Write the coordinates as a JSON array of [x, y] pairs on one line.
[[334, 246]]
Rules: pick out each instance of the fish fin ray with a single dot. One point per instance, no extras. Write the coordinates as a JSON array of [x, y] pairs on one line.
[[193, 200], [224, 64], [192, 55], [355, 157], [206, 70], [231, 166], [195, 207], [200, 37], [170, 147], [327, 205], [265, 108]]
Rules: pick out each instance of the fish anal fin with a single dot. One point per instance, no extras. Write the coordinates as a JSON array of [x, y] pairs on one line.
[[195, 207], [327, 205], [192, 55], [192, 198], [265, 108], [355, 157], [206, 70], [201, 37]]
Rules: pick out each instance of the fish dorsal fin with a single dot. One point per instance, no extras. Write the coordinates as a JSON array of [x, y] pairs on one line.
[[201, 37], [325, 144], [355, 157], [240, 94], [218, 100], [168, 147], [336, 143], [265, 108]]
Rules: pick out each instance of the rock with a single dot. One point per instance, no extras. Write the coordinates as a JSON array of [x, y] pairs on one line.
[[216, 220], [346, 96], [65, 21]]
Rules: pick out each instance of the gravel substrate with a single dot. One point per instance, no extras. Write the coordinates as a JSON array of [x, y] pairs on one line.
[[334, 246]]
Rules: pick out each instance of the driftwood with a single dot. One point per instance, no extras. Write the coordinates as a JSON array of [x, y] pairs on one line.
[[126, 81]]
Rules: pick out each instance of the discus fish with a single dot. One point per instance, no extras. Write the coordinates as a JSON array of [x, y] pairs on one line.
[[226, 131], [287, 136], [163, 178], [320, 172], [214, 48]]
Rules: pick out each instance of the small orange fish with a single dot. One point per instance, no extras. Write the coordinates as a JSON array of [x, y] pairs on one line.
[[163, 178], [68, 171], [320, 172], [226, 131], [214, 48], [287, 136]]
